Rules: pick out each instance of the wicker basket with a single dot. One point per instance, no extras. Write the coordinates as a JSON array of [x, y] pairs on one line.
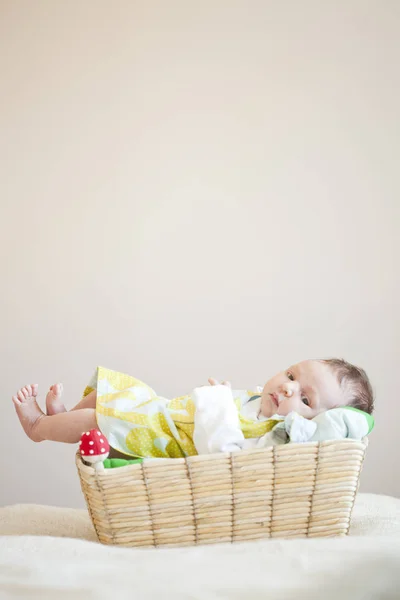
[[295, 490]]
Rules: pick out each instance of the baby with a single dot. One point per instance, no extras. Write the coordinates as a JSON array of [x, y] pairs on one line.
[[137, 422]]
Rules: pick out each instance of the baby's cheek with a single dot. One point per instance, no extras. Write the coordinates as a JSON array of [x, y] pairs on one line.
[[289, 406]]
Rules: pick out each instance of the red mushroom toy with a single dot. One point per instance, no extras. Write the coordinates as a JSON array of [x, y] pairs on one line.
[[94, 448]]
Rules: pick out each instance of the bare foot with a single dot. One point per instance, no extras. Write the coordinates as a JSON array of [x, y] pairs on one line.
[[53, 400], [28, 410]]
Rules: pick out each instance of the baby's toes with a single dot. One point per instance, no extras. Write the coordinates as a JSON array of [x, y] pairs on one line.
[[21, 396], [55, 389], [16, 401], [26, 392], [34, 387]]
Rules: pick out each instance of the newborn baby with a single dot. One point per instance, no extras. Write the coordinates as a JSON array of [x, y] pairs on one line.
[[138, 422]]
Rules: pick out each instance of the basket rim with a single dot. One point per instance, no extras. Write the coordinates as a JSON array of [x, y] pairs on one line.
[[278, 450]]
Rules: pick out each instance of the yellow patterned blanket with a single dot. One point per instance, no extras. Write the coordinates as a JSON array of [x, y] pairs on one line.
[[138, 422]]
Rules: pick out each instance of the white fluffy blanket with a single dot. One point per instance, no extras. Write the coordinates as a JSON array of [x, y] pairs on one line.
[[40, 559]]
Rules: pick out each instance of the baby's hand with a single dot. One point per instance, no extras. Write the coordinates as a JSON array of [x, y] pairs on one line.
[[213, 381]]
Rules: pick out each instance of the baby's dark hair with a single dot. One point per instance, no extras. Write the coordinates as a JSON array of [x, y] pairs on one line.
[[356, 382]]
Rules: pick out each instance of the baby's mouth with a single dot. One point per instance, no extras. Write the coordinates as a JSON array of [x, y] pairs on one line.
[[275, 399]]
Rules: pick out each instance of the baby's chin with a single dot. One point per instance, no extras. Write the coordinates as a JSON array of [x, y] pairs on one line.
[[267, 406]]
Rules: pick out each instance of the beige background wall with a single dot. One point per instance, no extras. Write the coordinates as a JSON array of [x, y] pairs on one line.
[[196, 188]]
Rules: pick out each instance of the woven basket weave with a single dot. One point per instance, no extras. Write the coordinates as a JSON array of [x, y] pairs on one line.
[[295, 490]]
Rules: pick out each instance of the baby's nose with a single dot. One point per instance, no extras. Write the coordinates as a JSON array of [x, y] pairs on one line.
[[290, 388]]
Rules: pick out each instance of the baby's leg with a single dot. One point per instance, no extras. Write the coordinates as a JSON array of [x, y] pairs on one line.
[[62, 427], [88, 401]]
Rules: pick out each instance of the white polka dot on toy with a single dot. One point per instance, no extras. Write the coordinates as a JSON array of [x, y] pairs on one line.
[[91, 443], [98, 433], [101, 441], [103, 450], [91, 451], [87, 433], [82, 452], [80, 443]]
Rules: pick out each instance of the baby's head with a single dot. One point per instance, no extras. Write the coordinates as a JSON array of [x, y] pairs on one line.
[[313, 386]]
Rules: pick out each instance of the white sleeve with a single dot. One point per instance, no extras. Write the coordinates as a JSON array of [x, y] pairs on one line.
[[299, 429], [216, 420]]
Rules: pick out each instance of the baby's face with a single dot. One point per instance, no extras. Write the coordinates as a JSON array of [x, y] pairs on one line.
[[308, 388]]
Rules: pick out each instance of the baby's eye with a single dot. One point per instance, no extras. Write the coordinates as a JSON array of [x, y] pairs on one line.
[[290, 376], [305, 401]]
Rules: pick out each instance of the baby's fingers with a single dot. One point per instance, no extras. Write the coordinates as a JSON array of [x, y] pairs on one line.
[[213, 381]]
